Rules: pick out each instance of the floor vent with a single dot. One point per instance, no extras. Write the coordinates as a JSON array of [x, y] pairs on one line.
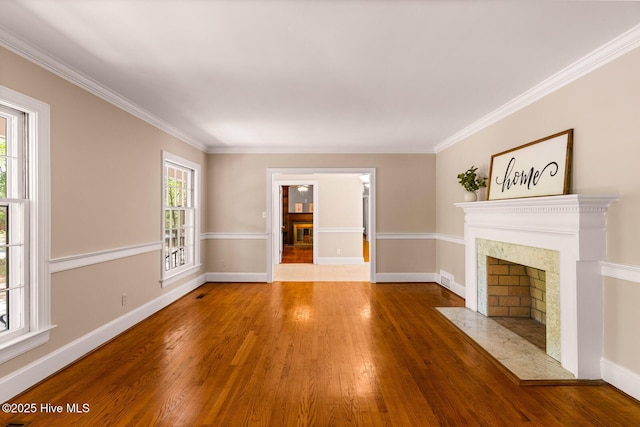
[[446, 279]]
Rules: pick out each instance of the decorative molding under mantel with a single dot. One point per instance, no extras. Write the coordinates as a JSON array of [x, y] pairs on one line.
[[552, 214], [571, 203]]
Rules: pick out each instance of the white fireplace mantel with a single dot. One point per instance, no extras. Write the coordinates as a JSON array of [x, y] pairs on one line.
[[575, 226]]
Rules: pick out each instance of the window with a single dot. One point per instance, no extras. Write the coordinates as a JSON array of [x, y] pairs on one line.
[[24, 224], [13, 224], [180, 218]]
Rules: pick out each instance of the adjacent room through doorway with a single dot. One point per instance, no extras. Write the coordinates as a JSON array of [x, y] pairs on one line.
[[321, 225]]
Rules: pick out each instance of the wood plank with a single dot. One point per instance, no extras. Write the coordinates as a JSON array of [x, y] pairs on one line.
[[323, 353]]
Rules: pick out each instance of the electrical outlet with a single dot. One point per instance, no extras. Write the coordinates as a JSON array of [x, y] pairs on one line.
[[338, 251], [124, 299]]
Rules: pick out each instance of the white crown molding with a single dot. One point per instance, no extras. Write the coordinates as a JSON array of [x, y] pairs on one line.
[[596, 59], [83, 260], [60, 69], [321, 150]]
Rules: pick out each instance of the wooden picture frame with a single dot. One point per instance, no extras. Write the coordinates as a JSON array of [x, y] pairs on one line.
[[539, 168]]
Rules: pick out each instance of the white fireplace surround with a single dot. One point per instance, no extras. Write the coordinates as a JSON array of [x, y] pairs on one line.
[[575, 226]]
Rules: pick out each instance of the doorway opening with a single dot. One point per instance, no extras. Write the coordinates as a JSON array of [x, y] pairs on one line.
[[297, 224], [336, 240]]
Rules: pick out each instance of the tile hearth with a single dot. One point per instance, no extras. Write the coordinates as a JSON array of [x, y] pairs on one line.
[[522, 358]]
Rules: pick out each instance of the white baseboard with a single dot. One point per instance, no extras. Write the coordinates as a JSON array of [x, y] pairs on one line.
[[339, 260], [27, 376], [406, 277], [458, 289], [237, 277], [621, 378], [447, 280]]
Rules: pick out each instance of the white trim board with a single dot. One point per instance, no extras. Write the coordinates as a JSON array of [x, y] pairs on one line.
[[27, 376], [83, 260], [60, 69], [629, 273], [596, 59], [451, 239], [621, 378], [601, 56]]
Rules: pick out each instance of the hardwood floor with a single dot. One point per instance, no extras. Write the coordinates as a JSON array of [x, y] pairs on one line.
[[309, 353], [292, 254], [297, 254]]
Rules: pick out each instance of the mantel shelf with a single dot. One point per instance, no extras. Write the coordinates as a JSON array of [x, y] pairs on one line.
[[568, 203]]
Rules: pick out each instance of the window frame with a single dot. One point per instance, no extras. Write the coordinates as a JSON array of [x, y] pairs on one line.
[[37, 163], [171, 276]]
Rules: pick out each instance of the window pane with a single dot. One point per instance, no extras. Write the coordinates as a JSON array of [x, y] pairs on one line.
[[16, 266], [3, 174], [3, 136], [4, 309], [174, 219], [4, 214], [167, 253], [15, 308], [3, 268], [178, 218]]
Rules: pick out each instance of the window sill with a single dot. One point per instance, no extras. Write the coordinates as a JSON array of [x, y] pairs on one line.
[[170, 280], [24, 343]]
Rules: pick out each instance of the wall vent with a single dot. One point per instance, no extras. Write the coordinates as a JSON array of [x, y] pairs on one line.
[[446, 279]]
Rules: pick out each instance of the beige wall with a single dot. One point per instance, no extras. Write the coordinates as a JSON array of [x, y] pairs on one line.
[[405, 190], [105, 195], [603, 109]]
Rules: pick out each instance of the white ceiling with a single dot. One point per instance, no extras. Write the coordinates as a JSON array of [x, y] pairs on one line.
[[315, 75]]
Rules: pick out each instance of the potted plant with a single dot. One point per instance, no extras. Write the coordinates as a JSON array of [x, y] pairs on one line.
[[472, 182]]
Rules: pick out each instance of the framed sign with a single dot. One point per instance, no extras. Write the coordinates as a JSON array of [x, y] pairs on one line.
[[539, 168]]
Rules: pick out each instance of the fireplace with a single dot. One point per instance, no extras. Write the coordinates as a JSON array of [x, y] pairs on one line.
[[518, 263], [565, 236]]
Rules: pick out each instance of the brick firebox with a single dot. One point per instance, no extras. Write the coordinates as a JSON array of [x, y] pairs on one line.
[[515, 290]]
